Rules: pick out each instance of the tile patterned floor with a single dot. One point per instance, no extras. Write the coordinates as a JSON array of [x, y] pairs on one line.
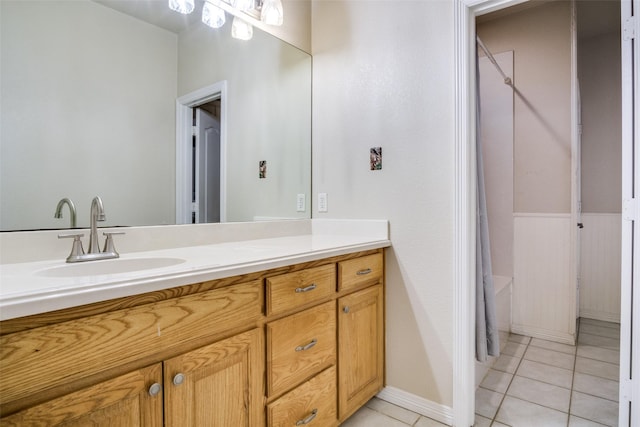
[[534, 383]]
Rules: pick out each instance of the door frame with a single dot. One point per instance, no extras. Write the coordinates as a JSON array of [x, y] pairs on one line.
[[630, 298], [465, 12], [184, 132]]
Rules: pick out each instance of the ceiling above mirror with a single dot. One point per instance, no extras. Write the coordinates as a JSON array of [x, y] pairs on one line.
[[89, 105]]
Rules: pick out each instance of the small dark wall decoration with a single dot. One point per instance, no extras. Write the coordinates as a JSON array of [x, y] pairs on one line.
[[263, 169], [375, 158]]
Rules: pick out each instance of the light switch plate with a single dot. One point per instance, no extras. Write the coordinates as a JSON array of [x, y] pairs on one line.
[[322, 202], [301, 204]]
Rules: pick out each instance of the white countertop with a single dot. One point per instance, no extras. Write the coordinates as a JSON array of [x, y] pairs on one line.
[[27, 288]]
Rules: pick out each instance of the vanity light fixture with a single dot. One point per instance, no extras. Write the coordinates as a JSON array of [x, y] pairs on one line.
[[213, 13], [272, 12], [183, 6], [241, 30]]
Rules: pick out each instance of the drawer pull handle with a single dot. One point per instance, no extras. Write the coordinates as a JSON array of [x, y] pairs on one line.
[[154, 389], [308, 346], [307, 420], [307, 289], [364, 272]]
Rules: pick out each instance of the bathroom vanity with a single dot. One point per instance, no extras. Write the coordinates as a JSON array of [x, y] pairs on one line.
[[268, 340]]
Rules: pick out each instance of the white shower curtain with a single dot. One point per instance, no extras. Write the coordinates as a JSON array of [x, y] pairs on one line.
[[487, 339]]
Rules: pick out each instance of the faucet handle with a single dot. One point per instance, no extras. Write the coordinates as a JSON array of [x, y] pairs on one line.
[[76, 250], [109, 247]]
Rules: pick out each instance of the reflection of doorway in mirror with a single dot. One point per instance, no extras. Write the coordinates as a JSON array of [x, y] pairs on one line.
[[206, 161], [201, 155]]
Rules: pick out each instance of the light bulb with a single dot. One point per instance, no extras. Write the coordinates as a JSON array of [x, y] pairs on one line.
[[182, 6], [243, 5], [272, 12], [212, 15], [241, 30]]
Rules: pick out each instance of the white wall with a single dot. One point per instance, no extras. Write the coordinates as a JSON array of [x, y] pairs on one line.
[[54, 114], [383, 77], [268, 116]]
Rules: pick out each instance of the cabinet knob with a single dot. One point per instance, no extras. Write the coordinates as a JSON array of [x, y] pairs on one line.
[[364, 272], [154, 389], [346, 309], [308, 419], [178, 379]]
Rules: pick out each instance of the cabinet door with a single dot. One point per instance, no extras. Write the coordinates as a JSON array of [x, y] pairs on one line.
[[128, 400], [219, 385], [360, 348]]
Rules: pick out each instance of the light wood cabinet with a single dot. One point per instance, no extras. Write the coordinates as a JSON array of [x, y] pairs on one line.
[[219, 385], [313, 403], [296, 344], [122, 401], [299, 346], [360, 348]]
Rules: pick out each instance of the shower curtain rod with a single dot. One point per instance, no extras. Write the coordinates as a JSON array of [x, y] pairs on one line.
[[507, 80]]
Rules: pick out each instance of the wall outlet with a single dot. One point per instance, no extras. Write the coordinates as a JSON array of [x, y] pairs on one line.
[[322, 202], [301, 204]]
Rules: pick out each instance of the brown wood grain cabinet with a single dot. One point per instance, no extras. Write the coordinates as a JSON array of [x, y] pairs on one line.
[[296, 345]]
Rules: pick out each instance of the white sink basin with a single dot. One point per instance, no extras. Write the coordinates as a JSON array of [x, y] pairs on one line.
[[106, 267]]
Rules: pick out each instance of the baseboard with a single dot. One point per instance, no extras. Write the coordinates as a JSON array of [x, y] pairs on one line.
[[420, 405], [543, 334], [600, 315]]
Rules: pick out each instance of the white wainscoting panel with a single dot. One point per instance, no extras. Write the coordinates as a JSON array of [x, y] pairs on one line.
[[544, 296], [600, 266]]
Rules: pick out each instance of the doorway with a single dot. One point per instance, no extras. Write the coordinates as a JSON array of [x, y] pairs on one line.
[[201, 146], [465, 13]]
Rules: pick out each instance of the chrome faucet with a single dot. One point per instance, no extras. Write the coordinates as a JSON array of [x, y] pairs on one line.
[[97, 214], [72, 211], [77, 252]]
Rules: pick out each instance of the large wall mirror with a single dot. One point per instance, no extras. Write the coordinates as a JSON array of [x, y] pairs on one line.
[[89, 105]]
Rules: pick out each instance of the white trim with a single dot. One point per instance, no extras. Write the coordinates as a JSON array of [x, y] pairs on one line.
[[574, 248], [541, 215], [184, 104], [628, 332], [543, 334], [465, 12], [417, 404], [598, 315]]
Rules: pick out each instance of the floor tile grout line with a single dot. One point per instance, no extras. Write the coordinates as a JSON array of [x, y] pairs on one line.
[[504, 396], [573, 376]]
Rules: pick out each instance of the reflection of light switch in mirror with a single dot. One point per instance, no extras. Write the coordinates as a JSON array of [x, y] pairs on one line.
[[263, 169], [375, 158], [322, 202], [301, 203]]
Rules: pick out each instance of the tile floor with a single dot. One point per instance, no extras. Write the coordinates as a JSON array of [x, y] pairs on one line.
[[534, 383]]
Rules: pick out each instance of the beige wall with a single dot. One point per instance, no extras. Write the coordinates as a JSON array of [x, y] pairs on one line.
[[268, 83], [383, 77], [599, 74], [541, 40]]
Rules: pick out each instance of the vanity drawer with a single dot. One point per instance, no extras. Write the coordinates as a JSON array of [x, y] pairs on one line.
[[313, 402], [364, 270], [291, 290], [299, 346]]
